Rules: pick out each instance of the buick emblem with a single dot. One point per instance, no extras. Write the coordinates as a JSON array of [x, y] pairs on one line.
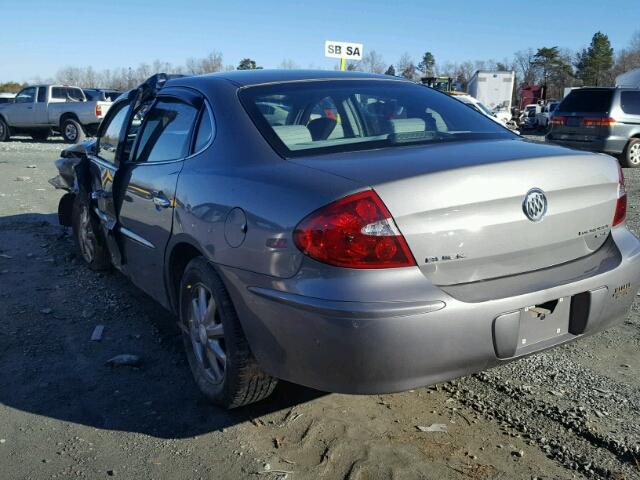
[[534, 205]]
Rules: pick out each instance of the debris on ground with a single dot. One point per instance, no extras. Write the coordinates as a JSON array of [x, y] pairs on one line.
[[96, 336], [435, 427], [124, 360]]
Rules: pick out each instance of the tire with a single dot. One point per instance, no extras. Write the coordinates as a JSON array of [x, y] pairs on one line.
[[631, 155], [41, 136], [72, 131], [221, 361], [5, 133], [88, 235]]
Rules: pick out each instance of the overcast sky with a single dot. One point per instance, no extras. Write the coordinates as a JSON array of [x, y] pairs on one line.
[[38, 37]]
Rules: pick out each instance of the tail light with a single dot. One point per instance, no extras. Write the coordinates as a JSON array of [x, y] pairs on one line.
[[98, 110], [356, 232], [621, 204], [598, 122], [558, 120]]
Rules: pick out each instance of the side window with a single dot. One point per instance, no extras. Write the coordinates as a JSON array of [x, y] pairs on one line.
[[205, 131], [166, 131], [75, 94], [42, 94], [27, 95], [110, 137], [630, 102], [58, 93]]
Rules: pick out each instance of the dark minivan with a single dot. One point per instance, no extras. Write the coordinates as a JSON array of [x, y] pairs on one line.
[[600, 120]]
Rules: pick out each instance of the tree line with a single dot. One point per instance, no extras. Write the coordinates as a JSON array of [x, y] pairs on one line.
[[552, 66]]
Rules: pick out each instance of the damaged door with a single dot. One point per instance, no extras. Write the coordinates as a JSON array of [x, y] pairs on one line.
[[103, 167], [147, 184]]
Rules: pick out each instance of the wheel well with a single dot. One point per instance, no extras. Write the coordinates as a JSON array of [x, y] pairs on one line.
[[181, 255], [66, 116]]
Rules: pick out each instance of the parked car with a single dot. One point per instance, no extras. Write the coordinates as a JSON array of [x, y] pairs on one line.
[[419, 243], [600, 120], [483, 109], [102, 94], [542, 118], [7, 97], [42, 109], [529, 116]]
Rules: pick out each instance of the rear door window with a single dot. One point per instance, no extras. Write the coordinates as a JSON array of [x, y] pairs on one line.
[[630, 102], [205, 131], [42, 94], [587, 100], [110, 136], [166, 131]]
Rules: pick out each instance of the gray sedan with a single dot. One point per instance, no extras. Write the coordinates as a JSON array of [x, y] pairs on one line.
[[350, 232]]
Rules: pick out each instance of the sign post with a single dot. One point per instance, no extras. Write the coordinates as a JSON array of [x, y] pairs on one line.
[[344, 51]]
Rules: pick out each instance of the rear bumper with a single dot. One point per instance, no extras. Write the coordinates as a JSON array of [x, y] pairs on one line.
[[612, 145], [390, 343]]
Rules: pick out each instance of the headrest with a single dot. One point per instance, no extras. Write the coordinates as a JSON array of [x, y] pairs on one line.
[[407, 125], [293, 134]]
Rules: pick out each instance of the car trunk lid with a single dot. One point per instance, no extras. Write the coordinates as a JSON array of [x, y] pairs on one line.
[[460, 205]]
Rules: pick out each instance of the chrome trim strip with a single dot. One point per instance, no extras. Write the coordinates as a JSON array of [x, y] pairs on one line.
[[136, 238]]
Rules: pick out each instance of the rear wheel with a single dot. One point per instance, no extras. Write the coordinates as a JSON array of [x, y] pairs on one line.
[[87, 234], [631, 154], [218, 352], [4, 131], [72, 131]]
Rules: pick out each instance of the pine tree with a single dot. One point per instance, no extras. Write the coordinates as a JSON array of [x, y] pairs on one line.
[[427, 64], [247, 64], [594, 63], [390, 71]]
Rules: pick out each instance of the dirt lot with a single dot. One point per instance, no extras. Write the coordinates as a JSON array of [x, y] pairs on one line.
[[573, 412]]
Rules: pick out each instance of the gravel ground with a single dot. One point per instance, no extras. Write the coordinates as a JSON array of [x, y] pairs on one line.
[[572, 412]]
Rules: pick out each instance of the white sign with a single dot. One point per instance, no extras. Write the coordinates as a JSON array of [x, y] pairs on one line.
[[351, 51]]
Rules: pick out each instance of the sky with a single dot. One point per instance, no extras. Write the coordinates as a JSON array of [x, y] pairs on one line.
[[38, 37]]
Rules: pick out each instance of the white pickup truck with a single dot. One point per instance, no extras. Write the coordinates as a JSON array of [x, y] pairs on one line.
[[40, 110]]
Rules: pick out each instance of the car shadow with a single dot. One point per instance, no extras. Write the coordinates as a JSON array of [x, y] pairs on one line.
[[51, 303]]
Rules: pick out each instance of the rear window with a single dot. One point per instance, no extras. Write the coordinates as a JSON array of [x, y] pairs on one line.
[[305, 118], [587, 101]]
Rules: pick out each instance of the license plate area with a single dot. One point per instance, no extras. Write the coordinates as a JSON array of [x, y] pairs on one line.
[[542, 322], [573, 121]]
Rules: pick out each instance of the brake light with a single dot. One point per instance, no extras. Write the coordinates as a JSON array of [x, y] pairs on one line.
[[356, 232], [98, 110], [621, 204], [598, 122], [558, 120]]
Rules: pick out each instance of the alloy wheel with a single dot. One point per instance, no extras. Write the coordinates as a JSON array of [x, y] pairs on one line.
[[70, 131], [86, 236], [206, 333], [634, 154]]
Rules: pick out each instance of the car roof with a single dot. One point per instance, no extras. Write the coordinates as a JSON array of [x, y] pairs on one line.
[[244, 78]]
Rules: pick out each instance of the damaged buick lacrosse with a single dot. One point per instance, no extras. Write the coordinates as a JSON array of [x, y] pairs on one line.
[[349, 232]]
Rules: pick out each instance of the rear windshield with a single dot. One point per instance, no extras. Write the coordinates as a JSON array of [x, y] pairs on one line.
[[587, 101], [305, 118]]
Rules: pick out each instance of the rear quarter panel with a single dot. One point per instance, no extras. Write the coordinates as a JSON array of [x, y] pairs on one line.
[[240, 172]]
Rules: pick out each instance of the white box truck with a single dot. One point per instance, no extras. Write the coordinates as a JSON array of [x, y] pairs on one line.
[[494, 89]]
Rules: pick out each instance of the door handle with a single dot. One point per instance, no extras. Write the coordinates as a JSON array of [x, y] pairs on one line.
[[160, 200]]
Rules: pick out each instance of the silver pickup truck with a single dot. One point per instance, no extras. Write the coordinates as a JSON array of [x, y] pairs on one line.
[[40, 110]]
